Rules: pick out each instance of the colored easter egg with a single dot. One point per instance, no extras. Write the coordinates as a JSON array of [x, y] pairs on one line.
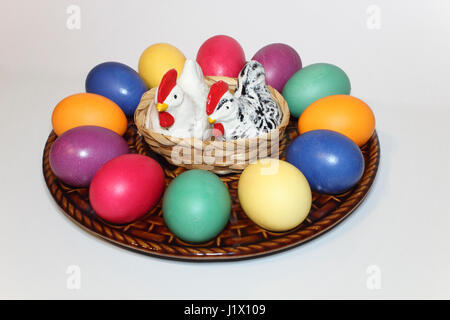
[[280, 62], [312, 83], [117, 82], [221, 56], [78, 153], [126, 188], [196, 206], [156, 60], [331, 162], [342, 113], [88, 109], [274, 194]]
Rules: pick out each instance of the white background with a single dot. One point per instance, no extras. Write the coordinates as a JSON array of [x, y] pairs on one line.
[[401, 70]]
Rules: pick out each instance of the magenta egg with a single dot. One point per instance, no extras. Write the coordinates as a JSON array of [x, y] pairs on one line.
[[280, 62], [77, 154]]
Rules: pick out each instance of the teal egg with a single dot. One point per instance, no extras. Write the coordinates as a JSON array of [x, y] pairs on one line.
[[312, 83], [196, 206]]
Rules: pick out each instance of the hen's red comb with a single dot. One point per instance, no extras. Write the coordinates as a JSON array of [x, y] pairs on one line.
[[216, 92], [168, 81]]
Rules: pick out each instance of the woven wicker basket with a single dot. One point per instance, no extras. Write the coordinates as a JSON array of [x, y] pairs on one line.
[[221, 157]]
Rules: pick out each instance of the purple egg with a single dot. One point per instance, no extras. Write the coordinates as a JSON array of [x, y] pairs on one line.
[[77, 154], [280, 61]]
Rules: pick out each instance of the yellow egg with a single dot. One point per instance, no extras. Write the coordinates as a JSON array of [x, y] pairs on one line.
[[274, 194], [157, 59]]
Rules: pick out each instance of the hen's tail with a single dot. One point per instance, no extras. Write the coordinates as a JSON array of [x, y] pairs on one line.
[[251, 78], [192, 80]]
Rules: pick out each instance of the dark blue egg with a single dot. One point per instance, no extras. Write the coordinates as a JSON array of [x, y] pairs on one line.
[[331, 162], [117, 82]]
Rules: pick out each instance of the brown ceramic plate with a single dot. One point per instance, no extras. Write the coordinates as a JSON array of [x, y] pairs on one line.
[[240, 239]]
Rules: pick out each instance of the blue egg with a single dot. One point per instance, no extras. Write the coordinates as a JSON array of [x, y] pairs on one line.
[[331, 162], [117, 82]]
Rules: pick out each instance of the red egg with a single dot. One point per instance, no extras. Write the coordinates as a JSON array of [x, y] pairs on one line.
[[126, 188], [221, 56]]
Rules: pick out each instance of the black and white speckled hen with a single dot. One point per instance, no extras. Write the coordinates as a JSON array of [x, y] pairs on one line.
[[249, 112]]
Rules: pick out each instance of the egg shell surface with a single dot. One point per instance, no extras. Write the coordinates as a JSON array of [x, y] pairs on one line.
[[196, 206], [78, 153], [126, 188], [157, 59], [221, 55], [345, 114], [331, 162], [274, 194], [118, 82], [312, 83], [280, 62], [88, 109]]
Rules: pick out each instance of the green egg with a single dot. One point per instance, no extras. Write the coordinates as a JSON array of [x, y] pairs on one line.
[[312, 83], [196, 206]]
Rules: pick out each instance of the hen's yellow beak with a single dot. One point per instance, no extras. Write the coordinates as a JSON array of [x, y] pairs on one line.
[[162, 107], [211, 121]]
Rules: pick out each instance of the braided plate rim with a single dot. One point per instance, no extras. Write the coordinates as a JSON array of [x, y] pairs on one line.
[[150, 236]]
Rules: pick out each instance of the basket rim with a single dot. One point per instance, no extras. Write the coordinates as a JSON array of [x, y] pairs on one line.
[[147, 100]]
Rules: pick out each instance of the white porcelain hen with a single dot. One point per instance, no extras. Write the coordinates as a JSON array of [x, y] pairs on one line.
[[174, 110], [180, 104]]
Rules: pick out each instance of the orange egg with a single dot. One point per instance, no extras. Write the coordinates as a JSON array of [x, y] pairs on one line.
[[342, 113], [85, 109]]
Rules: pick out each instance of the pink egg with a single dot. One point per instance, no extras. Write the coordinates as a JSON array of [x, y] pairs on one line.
[[221, 56], [126, 188]]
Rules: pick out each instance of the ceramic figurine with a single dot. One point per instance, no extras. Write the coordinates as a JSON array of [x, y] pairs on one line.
[[180, 104], [249, 112], [193, 83], [173, 110]]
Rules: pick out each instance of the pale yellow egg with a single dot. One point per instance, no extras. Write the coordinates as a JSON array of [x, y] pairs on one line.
[[274, 194]]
